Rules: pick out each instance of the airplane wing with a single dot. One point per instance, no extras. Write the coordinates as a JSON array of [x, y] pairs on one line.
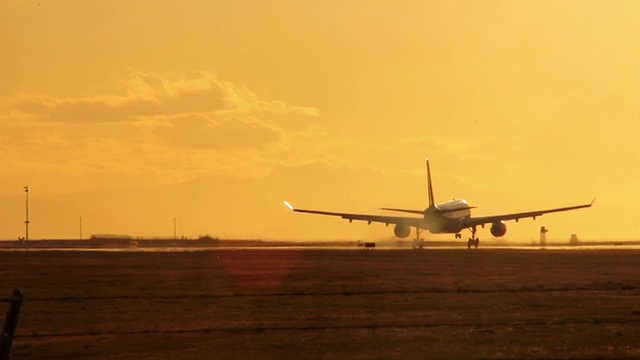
[[474, 221], [408, 221]]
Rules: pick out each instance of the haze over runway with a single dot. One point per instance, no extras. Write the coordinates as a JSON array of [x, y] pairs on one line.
[[130, 114]]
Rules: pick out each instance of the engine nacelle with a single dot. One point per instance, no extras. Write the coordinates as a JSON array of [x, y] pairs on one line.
[[498, 229], [401, 231]]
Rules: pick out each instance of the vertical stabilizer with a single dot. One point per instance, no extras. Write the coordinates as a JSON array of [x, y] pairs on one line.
[[429, 186]]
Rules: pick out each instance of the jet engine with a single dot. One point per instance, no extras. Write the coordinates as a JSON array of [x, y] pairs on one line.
[[401, 231], [498, 229]]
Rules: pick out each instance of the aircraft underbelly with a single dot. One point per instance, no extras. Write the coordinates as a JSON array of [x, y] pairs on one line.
[[445, 224]]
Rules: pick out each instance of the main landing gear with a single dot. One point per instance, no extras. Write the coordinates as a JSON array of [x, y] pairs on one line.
[[473, 240], [418, 243]]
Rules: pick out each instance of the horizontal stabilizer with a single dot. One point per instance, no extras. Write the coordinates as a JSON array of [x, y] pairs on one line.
[[421, 212]]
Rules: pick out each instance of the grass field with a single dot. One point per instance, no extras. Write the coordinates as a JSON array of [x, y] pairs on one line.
[[325, 304]]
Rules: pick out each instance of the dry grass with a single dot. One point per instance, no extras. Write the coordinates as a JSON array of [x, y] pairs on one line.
[[326, 304]]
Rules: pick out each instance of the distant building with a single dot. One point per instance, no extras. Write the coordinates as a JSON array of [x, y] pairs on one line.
[[110, 237], [543, 235], [574, 239]]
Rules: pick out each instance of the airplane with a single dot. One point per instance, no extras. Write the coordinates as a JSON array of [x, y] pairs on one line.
[[450, 217]]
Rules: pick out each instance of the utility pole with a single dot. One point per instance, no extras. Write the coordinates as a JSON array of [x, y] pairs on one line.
[[174, 229], [26, 221]]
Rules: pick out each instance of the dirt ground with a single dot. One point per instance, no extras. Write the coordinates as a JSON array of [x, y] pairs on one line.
[[325, 304]]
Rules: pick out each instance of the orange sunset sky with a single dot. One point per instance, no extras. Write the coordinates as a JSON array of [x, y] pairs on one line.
[[132, 113]]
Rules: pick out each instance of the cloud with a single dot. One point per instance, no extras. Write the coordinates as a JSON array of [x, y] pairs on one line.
[[161, 129], [155, 129], [205, 132], [152, 95]]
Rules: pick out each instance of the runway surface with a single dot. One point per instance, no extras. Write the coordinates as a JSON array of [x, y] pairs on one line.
[[325, 303], [460, 247]]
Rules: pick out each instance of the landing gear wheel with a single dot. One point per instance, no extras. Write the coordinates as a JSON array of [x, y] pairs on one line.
[[418, 243], [473, 240]]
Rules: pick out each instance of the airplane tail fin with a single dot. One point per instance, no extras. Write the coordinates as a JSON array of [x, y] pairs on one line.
[[429, 185]]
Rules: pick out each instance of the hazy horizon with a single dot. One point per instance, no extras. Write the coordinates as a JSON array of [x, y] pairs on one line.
[[131, 114]]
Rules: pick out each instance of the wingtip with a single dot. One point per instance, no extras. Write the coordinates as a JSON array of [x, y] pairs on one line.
[[288, 205], [592, 201]]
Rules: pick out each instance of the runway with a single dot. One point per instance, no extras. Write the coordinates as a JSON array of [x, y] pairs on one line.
[[461, 247], [325, 303]]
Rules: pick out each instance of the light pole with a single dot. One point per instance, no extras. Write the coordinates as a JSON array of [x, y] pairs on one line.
[[26, 221]]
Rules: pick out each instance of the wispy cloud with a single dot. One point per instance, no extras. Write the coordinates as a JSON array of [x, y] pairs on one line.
[[159, 129], [156, 128], [152, 95], [203, 131]]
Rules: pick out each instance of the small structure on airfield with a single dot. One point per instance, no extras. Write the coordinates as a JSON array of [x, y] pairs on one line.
[[543, 235], [366, 245], [574, 239]]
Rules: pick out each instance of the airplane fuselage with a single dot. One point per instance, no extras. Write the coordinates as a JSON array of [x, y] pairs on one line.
[[447, 217]]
